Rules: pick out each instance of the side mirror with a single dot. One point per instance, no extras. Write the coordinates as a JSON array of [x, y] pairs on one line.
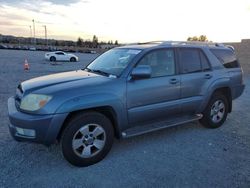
[[140, 72]]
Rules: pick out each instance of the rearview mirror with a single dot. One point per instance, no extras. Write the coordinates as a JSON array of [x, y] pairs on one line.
[[140, 72]]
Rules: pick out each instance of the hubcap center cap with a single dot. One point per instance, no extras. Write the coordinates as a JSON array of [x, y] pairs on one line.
[[89, 141]]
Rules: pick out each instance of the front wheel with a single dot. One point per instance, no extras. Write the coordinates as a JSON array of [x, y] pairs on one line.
[[52, 58], [72, 59], [87, 139], [216, 111]]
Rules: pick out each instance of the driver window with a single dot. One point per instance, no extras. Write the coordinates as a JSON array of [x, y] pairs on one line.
[[161, 62]]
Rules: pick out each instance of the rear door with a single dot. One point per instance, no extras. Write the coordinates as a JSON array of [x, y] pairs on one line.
[[155, 98], [196, 76]]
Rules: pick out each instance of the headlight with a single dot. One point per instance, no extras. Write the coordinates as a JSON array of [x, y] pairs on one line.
[[33, 102]]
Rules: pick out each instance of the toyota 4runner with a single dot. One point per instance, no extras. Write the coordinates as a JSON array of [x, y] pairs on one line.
[[127, 91]]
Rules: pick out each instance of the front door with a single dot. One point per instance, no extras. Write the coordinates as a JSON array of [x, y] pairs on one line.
[[60, 56], [155, 98]]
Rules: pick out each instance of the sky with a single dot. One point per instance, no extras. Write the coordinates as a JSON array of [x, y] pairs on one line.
[[128, 20]]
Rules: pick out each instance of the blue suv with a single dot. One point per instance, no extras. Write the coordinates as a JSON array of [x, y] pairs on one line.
[[127, 91]]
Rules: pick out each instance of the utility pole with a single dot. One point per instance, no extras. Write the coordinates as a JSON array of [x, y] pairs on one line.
[[46, 37], [30, 35], [34, 30]]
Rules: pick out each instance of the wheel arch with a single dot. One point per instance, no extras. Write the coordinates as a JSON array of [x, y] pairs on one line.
[[72, 57], [108, 111], [225, 90]]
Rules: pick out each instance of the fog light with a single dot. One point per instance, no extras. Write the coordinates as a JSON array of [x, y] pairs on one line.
[[26, 132]]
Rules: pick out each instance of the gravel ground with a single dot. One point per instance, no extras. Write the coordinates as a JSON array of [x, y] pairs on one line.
[[184, 156]]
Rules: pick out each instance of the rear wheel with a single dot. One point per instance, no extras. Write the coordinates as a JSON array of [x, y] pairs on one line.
[[52, 58], [216, 111], [87, 139]]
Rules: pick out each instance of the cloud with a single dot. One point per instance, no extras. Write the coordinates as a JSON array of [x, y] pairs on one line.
[[58, 2], [125, 20], [4, 23], [13, 17]]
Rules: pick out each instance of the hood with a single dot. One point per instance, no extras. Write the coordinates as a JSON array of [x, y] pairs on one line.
[[59, 78]]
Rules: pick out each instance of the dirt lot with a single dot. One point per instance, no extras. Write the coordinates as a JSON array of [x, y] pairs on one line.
[[183, 156]]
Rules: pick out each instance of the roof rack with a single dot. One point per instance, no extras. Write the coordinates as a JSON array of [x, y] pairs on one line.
[[198, 43], [152, 42], [184, 43], [230, 47]]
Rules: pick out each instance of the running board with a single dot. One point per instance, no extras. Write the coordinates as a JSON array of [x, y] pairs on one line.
[[139, 130]]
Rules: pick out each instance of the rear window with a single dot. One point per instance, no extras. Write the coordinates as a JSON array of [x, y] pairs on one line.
[[226, 57]]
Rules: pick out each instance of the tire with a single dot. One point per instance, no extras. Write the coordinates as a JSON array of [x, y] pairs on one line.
[[216, 111], [52, 58], [72, 59], [87, 139]]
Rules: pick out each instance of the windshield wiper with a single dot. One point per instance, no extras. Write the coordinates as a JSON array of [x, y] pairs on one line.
[[97, 71], [101, 72], [87, 69]]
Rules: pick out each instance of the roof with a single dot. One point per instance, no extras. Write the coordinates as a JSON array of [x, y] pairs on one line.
[[154, 44]]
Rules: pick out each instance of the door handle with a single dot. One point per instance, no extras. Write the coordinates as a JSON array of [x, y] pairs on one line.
[[208, 76], [173, 81]]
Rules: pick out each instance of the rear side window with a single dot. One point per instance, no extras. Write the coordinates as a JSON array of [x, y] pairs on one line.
[[189, 60], [226, 57], [59, 53]]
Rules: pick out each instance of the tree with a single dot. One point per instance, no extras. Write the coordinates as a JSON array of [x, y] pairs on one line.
[[95, 41], [116, 42], [79, 41], [201, 38]]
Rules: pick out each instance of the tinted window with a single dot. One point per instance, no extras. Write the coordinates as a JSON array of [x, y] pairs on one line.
[[226, 57], [204, 62], [161, 61], [60, 53], [189, 60]]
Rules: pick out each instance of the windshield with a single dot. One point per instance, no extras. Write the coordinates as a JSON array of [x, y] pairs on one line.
[[113, 62]]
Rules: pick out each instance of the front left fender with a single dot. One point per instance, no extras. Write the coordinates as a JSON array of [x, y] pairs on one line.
[[95, 101]]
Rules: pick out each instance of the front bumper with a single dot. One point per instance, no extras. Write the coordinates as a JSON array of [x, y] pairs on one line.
[[42, 129]]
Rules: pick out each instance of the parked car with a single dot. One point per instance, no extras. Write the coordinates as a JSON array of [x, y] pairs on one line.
[[61, 56], [2, 46], [125, 92], [32, 49]]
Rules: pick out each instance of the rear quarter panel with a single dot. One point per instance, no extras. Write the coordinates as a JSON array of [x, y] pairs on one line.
[[221, 79]]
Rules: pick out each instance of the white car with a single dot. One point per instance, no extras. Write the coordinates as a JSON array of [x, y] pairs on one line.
[[61, 56]]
